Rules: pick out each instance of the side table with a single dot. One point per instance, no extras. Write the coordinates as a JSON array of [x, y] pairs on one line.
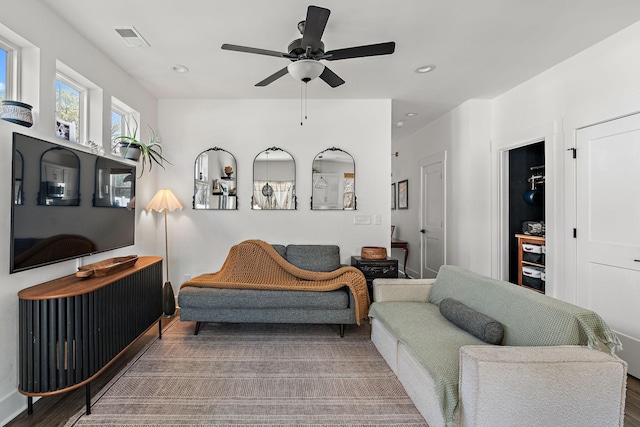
[[395, 243], [375, 268]]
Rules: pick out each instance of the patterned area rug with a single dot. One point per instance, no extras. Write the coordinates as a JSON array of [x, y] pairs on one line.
[[255, 375]]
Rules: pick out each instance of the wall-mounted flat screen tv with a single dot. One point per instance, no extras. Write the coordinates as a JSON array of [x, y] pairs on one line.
[[67, 203]]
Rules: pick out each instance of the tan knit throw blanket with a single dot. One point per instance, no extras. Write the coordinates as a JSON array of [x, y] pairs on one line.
[[254, 264]]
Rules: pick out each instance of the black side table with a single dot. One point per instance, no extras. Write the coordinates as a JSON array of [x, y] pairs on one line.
[[375, 268]]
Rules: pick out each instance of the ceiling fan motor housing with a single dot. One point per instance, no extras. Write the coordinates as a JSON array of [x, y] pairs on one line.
[[295, 49]]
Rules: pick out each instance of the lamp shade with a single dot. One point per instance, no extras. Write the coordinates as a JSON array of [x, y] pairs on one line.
[[164, 200], [305, 69]]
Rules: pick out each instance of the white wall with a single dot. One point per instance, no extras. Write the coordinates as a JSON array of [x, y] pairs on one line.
[[199, 240], [597, 84], [36, 23], [464, 135]]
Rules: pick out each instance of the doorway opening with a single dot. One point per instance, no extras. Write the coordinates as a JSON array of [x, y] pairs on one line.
[[526, 213]]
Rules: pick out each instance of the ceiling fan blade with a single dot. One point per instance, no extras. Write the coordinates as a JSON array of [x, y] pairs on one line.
[[331, 78], [245, 49], [314, 25], [273, 77], [360, 51]]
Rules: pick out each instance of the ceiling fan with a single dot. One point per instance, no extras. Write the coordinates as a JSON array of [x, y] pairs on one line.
[[306, 52]]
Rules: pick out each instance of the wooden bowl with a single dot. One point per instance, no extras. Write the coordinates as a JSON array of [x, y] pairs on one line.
[[107, 267], [373, 252]]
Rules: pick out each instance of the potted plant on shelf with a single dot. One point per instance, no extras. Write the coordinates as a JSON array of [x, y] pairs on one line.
[[131, 148]]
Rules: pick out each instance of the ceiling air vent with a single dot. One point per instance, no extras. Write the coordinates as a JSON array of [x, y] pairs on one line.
[[131, 37]]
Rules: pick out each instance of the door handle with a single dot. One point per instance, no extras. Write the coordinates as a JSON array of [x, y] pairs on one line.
[[424, 231]]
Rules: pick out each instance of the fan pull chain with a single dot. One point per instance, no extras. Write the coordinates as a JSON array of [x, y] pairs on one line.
[[306, 98], [303, 100], [301, 96]]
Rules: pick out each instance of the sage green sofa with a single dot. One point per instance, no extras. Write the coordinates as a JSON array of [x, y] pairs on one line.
[[555, 365]]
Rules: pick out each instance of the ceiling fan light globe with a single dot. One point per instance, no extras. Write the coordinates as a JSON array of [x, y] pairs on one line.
[[305, 69]]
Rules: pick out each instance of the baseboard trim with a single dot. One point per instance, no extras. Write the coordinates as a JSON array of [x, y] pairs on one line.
[[411, 274], [13, 404]]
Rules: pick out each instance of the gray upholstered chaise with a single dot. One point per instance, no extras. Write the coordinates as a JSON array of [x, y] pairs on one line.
[[269, 306]]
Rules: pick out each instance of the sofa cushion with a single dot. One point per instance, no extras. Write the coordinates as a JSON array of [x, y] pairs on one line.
[[314, 257], [212, 298], [472, 321], [528, 318], [433, 340]]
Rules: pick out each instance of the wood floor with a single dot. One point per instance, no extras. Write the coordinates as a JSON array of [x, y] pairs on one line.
[[632, 408], [55, 411]]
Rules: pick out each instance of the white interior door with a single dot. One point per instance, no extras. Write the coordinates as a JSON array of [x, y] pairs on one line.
[[432, 215], [608, 228]]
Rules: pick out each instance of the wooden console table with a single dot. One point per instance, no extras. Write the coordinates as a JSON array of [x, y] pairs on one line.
[[395, 243], [72, 329]]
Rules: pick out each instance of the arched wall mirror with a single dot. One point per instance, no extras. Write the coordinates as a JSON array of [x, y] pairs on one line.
[[274, 180], [114, 184], [18, 177], [333, 180], [215, 174], [59, 173]]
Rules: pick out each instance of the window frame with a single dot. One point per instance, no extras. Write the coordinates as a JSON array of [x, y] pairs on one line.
[[12, 83], [128, 116], [82, 131]]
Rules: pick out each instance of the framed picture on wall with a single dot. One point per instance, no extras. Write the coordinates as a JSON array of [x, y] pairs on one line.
[[403, 194], [65, 130], [393, 196]]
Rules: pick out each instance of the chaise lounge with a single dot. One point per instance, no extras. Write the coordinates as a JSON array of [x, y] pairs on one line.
[[262, 283]]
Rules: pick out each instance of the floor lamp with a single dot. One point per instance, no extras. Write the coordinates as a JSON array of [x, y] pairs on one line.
[[164, 201]]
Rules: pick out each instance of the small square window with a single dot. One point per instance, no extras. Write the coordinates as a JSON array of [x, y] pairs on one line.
[[123, 120], [3, 74], [8, 71], [117, 124], [9, 67], [69, 98]]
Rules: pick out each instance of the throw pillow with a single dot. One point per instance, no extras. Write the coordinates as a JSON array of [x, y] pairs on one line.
[[472, 321]]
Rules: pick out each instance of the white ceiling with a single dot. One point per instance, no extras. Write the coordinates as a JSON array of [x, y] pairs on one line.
[[480, 48]]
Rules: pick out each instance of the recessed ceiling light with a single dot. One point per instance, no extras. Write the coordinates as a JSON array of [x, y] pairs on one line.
[[411, 114], [179, 68], [425, 69], [399, 124]]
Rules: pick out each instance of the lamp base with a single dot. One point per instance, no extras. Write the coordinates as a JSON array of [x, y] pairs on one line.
[[168, 300]]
